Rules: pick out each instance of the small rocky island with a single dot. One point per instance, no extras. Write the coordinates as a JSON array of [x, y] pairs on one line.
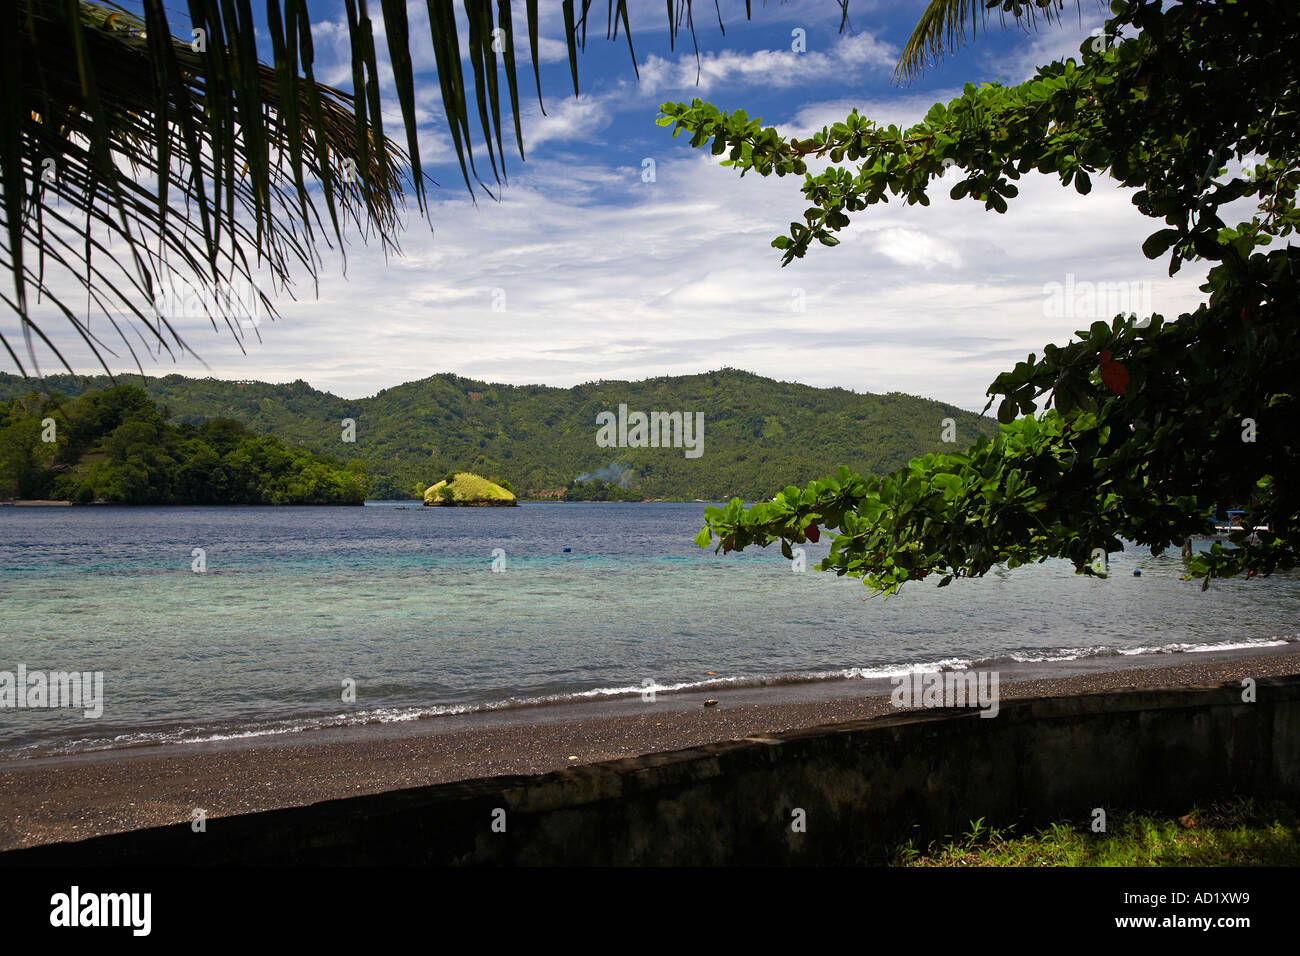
[[469, 490]]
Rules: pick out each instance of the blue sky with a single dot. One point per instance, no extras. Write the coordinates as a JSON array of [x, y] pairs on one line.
[[606, 276]]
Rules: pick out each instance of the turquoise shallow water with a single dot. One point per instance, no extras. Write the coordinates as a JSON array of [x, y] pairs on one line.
[[402, 600]]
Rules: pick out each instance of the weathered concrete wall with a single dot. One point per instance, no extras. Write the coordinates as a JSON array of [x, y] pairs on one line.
[[864, 787]]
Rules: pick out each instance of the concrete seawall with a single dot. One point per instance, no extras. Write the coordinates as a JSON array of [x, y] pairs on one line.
[[862, 788]]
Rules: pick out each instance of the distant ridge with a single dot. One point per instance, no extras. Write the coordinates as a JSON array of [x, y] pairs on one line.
[[759, 434]]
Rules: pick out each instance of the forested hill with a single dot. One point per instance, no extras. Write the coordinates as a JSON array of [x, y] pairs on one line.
[[117, 445], [759, 434]]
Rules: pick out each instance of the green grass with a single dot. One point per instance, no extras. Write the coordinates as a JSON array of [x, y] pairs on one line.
[[1238, 832]]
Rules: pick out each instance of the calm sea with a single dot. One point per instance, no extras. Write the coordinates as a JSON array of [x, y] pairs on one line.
[[403, 601]]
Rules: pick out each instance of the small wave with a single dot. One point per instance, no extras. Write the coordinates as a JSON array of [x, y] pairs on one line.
[[386, 715], [1083, 653], [898, 670], [1204, 648]]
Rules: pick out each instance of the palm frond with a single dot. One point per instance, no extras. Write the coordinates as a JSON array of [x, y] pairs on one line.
[[132, 159], [943, 25]]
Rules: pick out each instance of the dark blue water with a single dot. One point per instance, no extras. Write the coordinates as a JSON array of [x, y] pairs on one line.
[[402, 600]]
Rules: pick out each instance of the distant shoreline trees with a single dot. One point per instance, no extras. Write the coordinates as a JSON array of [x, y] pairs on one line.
[[117, 446]]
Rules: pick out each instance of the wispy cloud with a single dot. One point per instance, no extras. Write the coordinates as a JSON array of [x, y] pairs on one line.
[[847, 56]]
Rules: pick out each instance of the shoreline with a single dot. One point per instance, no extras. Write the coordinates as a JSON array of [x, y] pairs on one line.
[[587, 702], [76, 796]]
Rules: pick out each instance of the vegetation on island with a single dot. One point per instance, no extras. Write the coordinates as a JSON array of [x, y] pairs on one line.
[[116, 445], [464, 488]]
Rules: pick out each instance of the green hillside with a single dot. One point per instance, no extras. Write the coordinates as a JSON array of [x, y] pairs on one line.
[[759, 435], [117, 445]]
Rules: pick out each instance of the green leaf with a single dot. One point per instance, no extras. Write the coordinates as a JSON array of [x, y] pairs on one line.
[[1159, 242]]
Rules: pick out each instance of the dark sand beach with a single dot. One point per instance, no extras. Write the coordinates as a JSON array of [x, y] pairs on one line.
[[73, 797]]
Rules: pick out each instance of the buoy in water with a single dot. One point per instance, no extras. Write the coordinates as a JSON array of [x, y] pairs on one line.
[[567, 550], [1137, 572]]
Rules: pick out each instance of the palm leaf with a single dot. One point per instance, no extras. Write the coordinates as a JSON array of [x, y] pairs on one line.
[[943, 25], [187, 161]]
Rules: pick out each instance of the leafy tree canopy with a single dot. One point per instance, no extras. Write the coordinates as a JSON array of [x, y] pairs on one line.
[[1139, 428], [116, 445]]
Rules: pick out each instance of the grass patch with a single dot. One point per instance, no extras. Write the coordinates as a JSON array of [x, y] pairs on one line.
[[1238, 832]]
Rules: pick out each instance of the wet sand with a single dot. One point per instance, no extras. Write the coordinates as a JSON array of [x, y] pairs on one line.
[[50, 799]]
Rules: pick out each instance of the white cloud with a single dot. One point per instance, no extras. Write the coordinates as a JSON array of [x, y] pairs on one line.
[[567, 120], [847, 56]]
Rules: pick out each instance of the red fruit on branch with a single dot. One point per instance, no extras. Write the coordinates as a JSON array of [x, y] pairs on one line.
[[812, 534], [1113, 375]]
